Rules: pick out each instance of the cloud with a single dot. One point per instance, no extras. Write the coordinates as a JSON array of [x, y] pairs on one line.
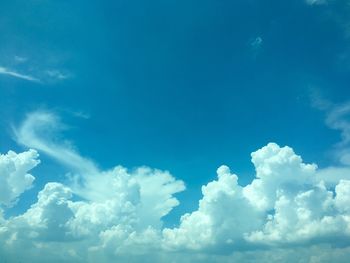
[[48, 74], [256, 43], [40, 130], [255, 46], [11, 73], [316, 2], [337, 118], [284, 205], [221, 219], [287, 213], [333, 174], [229, 225], [129, 214], [14, 176], [56, 74], [20, 59]]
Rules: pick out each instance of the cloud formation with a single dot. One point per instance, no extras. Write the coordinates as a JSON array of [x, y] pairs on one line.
[[14, 176], [40, 130], [287, 213], [284, 205]]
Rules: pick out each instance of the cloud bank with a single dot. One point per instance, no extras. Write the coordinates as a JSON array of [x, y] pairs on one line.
[[286, 214]]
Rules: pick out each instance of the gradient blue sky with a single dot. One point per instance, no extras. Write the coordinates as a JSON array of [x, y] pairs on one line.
[[181, 85]]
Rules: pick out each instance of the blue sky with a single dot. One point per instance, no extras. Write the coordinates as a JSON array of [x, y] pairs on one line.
[[182, 86]]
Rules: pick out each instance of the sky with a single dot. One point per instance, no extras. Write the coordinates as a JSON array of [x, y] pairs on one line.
[[175, 131]]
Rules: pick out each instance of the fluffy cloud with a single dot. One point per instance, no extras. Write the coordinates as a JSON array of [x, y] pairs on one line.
[[287, 213], [128, 216], [221, 219], [277, 169], [284, 205], [14, 176]]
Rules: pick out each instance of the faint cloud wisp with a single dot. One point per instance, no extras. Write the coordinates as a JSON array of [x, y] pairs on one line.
[[12, 73]]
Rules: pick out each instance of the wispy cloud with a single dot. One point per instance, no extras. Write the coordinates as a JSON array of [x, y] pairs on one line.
[[255, 45], [337, 118], [20, 59], [39, 131], [316, 2], [56, 74], [256, 42], [12, 73]]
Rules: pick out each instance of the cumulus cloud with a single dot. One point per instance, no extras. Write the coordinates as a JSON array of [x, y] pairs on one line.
[[284, 205], [221, 218], [287, 213], [117, 204], [14, 176]]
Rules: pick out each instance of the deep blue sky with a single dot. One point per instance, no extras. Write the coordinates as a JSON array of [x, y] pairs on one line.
[[178, 85]]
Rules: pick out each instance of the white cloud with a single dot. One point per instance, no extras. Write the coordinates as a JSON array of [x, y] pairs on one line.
[[286, 214], [223, 216], [11, 73], [14, 176], [333, 174], [309, 216], [284, 205], [126, 222], [40, 131], [277, 169]]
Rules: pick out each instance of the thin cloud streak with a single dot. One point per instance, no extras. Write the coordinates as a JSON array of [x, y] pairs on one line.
[[8, 72]]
